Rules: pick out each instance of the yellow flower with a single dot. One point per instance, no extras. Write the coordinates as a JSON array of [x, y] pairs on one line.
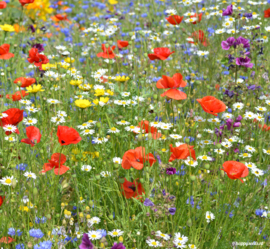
[[121, 78], [113, 2], [95, 101], [24, 208], [109, 92], [7, 27], [39, 8], [99, 92], [85, 87], [104, 99], [68, 60], [75, 82], [83, 103], [48, 66], [35, 88]]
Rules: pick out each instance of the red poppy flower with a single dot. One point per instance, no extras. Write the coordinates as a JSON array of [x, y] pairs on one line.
[[15, 116], [198, 36], [67, 135], [173, 83], [235, 170], [2, 198], [217, 87], [25, 82], [267, 13], [56, 163], [3, 5], [136, 158], [264, 127], [4, 52], [36, 58], [160, 54], [122, 44], [175, 19], [146, 128], [17, 95], [183, 151], [132, 189], [199, 18], [107, 52], [33, 135], [212, 105], [6, 240], [61, 17], [23, 2]]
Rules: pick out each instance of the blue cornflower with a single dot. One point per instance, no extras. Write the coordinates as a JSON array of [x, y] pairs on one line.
[[19, 233], [44, 245], [21, 166], [36, 233], [11, 231], [20, 246]]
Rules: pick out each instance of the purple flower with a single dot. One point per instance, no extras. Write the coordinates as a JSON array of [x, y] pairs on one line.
[[228, 43], [229, 93], [248, 15], [228, 11], [170, 171], [39, 47], [86, 243], [163, 192], [242, 40], [253, 87], [172, 210], [239, 118], [245, 62], [32, 28], [118, 246], [148, 203]]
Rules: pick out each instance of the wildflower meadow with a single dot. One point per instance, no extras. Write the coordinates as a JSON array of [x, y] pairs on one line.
[[134, 124]]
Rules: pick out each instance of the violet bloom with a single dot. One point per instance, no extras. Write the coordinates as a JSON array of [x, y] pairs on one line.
[[148, 203], [226, 45], [170, 171], [242, 40], [39, 47], [172, 210], [228, 11], [229, 123], [245, 62], [32, 28], [118, 246], [239, 118], [86, 243], [248, 15], [229, 93]]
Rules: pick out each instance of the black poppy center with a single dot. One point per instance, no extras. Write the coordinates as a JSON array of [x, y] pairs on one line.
[[62, 141], [132, 187]]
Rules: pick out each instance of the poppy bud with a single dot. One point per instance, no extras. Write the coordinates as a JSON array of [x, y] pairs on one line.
[[111, 216], [97, 177], [142, 180], [19, 84], [222, 173], [91, 203], [135, 50], [14, 183], [8, 69], [155, 96], [98, 125], [145, 55], [130, 33], [218, 146], [192, 178], [116, 165], [122, 180], [189, 223], [107, 45], [35, 191], [48, 216], [140, 137], [207, 166]]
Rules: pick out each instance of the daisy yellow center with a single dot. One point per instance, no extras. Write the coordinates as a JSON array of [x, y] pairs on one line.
[[154, 243], [245, 154], [204, 157], [122, 121], [86, 169], [87, 130], [115, 233], [8, 181], [190, 162], [93, 236], [113, 129]]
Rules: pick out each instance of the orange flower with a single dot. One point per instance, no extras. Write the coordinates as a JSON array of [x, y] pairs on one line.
[[25, 82], [17, 95], [56, 164], [235, 170], [122, 44], [212, 105], [6, 240], [107, 52], [182, 152], [3, 4], [4, 52], [175, 19], [264, 127], [160, 54], [136, 158], [146, 128], [173, 83], [132, 189], [267, 13], [198, 36]]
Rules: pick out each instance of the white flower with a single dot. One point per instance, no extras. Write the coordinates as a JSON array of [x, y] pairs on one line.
[[86, 168], [30, 121], [238, 106], [251, 165], [61, 114], [10, 128], [31, 109], [88, 131], [53, 101], [219, 151], [153, 243], [10, 139], [226, 144], [113, 130], [133, 128], [94, 235], [162, 235], [192, 246], [100, 140], [105, 173], [249, 148], [199, 119], [209, 216], [122, 122], [25, 102], [58, 120], [257, 172], [214, 120], [175, 136], [180, 238], [7, 180], [261, 108], [189, 161], [116, 233], [30, 175], [249, 115], [202, 53], [266, 151], [84, 126], [117, 160], [226, 115], [205, 158], [166, 126], [95, 220], [125, 94]]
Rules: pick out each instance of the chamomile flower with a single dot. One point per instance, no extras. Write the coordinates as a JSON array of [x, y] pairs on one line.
[[219, 151], [251, 165], [30, 175], [32, 109], [238, 106], [61, 114], [84, 126], [58, 120], [226, 115], [122, 122], [175, 136], [227, 144], [91, 122], [133, 128], [205, 158], [166, 126], [214, 120], [209, 216], [7, 180], [153, 243], [199, 119], [259, 117], [105, 173], [88, 131], [116, 233], [25, 102], [29, 121], [189, 161], [250, 149], [261, 108], [10, 139], [94, 235], [192, 246], [10, 128], [95, 220], [117, 160], [257, 172], [266, 151], [53, 101], [245, 155], [180, 238], [86, 168], [249, 115], [162, 235], [113, 130], [100, 140], [179, 244]]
